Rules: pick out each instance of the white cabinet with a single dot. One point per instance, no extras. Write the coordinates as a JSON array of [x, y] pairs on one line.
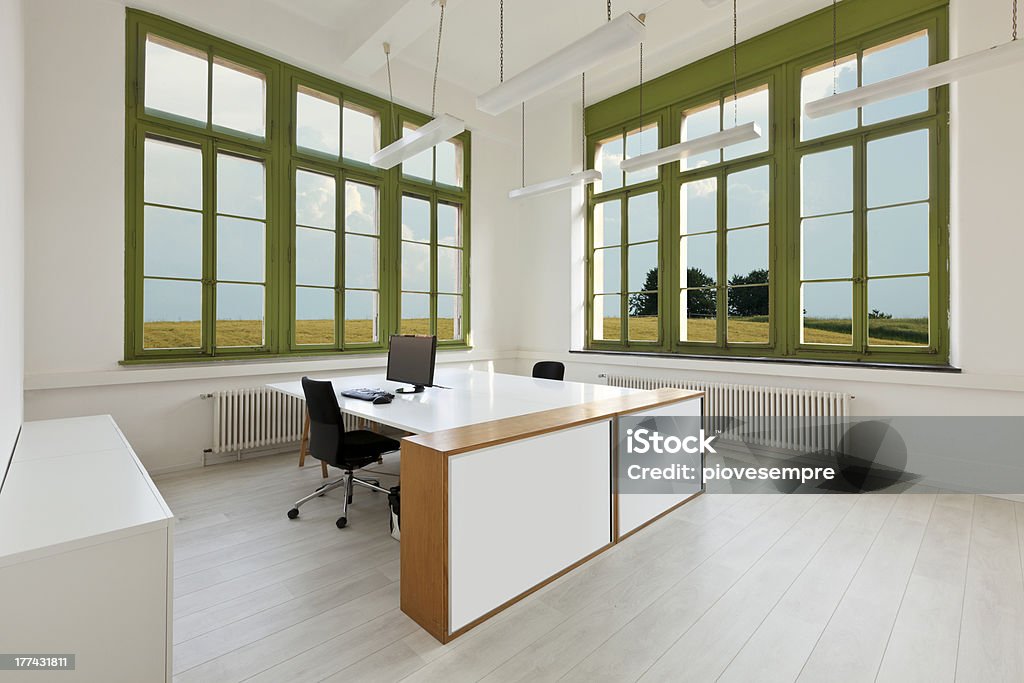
[[85, 555]]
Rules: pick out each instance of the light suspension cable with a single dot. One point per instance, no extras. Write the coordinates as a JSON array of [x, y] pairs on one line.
[[706, 143], [427, 136], [929, 77]]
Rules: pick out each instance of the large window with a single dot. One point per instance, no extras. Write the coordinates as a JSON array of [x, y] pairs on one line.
[[822, 240], [255, 224]]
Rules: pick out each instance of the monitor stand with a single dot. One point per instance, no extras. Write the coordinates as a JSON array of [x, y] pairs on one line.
[[417, 388]]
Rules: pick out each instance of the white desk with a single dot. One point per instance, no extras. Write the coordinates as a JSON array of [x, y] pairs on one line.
[[508, 482], [474, 397], [85, 554]]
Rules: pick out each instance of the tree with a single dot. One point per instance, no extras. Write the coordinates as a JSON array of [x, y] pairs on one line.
[[749, 301], [646, 302], [876, 314], [700, 301]]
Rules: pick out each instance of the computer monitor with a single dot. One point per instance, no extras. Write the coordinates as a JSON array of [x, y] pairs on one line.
[[411, 361]]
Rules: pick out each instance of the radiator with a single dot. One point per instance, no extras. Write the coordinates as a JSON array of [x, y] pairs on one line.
[[258, 418], [776, 417]]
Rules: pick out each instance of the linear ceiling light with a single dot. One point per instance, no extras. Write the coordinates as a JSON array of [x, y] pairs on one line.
[[426, 136], [572, 60], [933, 76], [413, 142], [579, 178], [706, 143]]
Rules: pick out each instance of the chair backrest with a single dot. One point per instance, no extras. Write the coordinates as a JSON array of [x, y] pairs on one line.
[[549, 369], [326, 428]]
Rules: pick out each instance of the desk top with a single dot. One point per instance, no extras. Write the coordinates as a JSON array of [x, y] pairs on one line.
[[474, 397]]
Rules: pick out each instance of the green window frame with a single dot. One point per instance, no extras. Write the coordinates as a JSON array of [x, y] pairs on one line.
[[777, 60], [352, 310]]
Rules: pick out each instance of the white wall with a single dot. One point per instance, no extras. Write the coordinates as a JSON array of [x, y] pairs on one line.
[[75, 218], [12, 224], [986, 245]]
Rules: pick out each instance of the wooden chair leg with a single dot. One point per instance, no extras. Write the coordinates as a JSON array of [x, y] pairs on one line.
[[304, 443], [323, 468]]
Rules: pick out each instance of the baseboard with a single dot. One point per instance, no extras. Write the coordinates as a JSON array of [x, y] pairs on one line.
[[223, 458]]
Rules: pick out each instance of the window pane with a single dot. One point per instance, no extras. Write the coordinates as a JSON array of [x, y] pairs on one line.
[[361, 316], [415, 219], [698, 315], [898, 240], [173, 243], [315, 200], [698, 210], [751, 105], [823, 81], [898, 57], [318, 122], [173, 174], [827, 313], [241, 187], [748, 315], [607, 323], [314, 257], [898, 169], [361, 262], [608, 223], [361, 208], [607, 158], [641, 142], [643, 316], [643, 217], [360, 133], [171, 311], [449, 318], [449, 225], [643, 267], [898, 311], [239, 98], [827, 247], [176, 79], [421, 165], [748, 256], [826, 182], [608, 270], [449, 270], [697, 123], [314, 316], [239, 315], [241, 252], [747, 197], [415, 314], [415, 267], [698, 259], [449, 163]]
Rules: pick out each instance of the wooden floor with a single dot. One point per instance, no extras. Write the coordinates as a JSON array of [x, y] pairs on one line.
[[755, 587]]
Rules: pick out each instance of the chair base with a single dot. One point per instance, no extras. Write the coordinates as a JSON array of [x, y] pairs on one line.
[[348, 480]]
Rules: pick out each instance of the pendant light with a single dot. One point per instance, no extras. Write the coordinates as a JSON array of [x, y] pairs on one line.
[[597, 47], [584, 177], [933, 76], [426, 136], [705, 143]]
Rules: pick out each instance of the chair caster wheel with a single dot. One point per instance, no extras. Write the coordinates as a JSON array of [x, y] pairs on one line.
[[293, 513], [341, 522]]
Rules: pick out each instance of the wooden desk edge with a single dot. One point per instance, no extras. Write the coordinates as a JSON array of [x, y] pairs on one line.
[[495, 432]]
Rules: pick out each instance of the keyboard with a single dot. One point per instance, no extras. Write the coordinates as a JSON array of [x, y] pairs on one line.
[[366, 394]]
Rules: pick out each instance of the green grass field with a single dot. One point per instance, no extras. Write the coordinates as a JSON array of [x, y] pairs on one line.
[[754, 329], [186, 334]]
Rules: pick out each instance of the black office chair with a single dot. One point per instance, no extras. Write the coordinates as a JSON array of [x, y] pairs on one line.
[[549, 369], [348, 451]]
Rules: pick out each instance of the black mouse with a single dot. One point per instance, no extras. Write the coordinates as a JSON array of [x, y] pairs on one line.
[[380, 400]]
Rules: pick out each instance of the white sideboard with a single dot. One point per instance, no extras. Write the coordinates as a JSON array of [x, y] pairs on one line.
[[85, 555]]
